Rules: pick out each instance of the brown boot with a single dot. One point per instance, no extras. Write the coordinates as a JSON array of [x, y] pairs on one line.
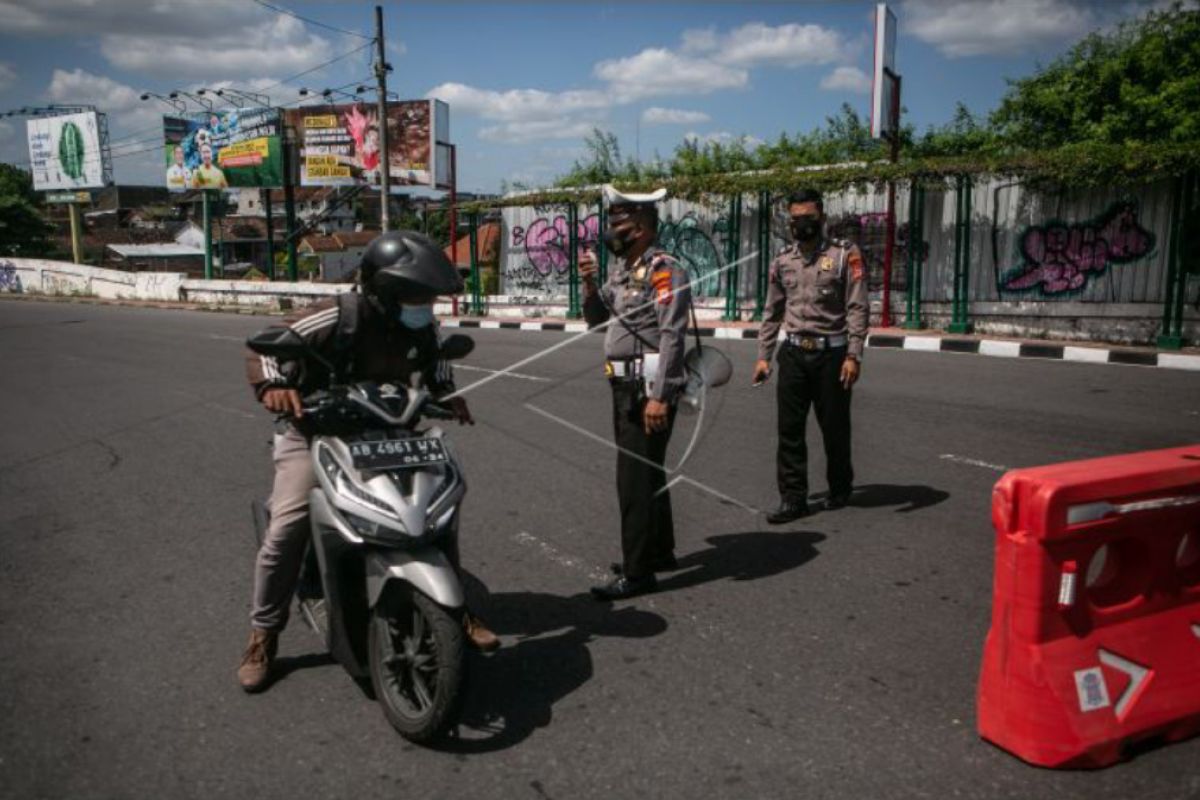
[[255, 670], [479, 636]]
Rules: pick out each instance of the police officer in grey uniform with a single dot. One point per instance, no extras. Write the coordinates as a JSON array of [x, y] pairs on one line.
[[645, 301], [818, 292]]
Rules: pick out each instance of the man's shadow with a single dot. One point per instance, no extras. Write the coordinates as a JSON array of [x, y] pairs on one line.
[[912, 497], [744, 557], [545, 657]]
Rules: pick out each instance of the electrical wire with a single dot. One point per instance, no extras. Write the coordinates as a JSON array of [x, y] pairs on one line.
[[290, 13]]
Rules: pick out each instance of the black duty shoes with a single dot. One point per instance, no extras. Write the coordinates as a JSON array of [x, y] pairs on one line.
[[623, 587], [788, 511]]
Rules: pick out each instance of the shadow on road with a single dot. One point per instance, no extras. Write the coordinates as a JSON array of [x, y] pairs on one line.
[[545, 657], [913, 497], [744, 557]]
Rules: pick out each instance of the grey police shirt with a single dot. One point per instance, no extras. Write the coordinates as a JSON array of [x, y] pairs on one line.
[[825, 295], [652, 297]]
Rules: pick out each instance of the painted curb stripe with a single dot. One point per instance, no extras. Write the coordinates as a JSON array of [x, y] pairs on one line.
[[1089, 355], [989, 347], [960, 346], [1029, 350], [1133, 357], [926, 343], [984, 347], [1179, 362]]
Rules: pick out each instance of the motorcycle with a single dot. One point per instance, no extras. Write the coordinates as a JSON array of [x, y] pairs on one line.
[[379, 584]]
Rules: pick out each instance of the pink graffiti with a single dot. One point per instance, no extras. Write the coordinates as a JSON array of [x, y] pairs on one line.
[[1061, 258], [546, 242]]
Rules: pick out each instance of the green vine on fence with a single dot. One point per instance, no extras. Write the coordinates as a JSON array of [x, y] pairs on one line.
[[1072, 167]]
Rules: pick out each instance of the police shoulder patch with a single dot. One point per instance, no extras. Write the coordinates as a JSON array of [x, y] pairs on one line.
[[665, 278], [855, 260]]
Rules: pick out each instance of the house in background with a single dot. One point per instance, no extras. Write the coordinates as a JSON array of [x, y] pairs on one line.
[[487, 255], [328, 209], [337, 255]]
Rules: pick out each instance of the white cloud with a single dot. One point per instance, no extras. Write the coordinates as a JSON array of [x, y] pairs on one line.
[[707, 61], [518, 104], [8, 76], [531, 130], [656, 71], [672, 116], [277, 47], [848, 79], [131, 120], [201, 39], [790, 45], [995, 27]]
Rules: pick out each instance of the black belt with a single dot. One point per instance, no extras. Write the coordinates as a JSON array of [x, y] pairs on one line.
[[817, 341]]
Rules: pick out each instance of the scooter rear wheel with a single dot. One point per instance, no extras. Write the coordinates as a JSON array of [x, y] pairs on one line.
[[416, 653]]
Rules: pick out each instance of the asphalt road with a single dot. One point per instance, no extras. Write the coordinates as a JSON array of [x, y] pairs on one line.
[[837, 657]]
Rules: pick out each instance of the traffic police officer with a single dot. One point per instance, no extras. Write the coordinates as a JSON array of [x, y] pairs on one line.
[[818, 292], [645, 303]]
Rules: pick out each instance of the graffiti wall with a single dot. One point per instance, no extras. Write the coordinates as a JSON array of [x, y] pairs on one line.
[[535, 259], [10, 280], [1101, 246]]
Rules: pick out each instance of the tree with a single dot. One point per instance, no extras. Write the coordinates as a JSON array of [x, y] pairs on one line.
[[963, 135], [23, 230], [1137, 84]]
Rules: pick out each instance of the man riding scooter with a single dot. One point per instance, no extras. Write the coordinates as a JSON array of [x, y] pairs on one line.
[[384, 332]]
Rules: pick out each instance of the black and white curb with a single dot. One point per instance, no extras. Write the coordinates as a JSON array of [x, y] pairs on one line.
[[930, 344]]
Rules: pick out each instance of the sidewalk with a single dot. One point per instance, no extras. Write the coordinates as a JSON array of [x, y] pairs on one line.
[[933, 341]]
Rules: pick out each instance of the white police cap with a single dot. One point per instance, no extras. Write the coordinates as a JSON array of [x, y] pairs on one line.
[[614, 198]]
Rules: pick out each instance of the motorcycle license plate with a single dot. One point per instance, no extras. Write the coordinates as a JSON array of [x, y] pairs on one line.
[[397, 453]]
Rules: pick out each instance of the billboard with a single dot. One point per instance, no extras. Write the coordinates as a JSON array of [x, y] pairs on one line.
[[241, 147], [885, 82], [65, 152], [339, 144]]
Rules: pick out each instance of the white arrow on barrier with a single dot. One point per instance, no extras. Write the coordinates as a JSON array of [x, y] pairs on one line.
[[1137, 676], [1196, 630]]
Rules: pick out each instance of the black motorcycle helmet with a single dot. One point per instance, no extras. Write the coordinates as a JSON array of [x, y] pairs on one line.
[[406, 267]]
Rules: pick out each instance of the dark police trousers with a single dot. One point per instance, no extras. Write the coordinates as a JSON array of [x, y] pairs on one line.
[[812, 377], [647, 530]]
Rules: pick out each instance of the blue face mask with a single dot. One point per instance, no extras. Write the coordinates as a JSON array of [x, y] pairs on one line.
[[416, 317]]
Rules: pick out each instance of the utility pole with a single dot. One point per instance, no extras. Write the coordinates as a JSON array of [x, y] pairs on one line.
[[385, 164]]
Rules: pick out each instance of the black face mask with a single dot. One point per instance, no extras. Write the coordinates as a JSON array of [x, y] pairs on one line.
[[617, 242], [805, 229]]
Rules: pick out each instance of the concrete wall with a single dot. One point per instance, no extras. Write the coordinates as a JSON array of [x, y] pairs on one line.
[[1122, 323]]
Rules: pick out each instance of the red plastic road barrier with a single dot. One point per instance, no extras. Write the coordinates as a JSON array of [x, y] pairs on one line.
[[1094, 648]]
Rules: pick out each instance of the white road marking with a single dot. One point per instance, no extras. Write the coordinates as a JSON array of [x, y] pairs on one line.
[[973, 462], [227, 338], [471, 368], [237, 411], [552, 553]]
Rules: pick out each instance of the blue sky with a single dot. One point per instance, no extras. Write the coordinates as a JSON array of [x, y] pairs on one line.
[[526, 81]]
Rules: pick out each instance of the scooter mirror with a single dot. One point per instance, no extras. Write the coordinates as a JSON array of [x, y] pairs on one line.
[[456, 346]]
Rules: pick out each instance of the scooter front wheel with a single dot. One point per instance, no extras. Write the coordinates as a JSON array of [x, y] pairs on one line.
[[416, 653]]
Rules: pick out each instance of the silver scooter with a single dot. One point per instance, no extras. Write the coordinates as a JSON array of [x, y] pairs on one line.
[[380, 583]]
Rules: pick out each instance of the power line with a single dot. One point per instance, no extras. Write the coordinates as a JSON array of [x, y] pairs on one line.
[[120, 139], [290, 13]]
